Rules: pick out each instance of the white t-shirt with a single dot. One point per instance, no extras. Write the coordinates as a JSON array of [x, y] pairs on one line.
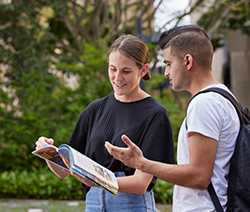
[[211, 115]]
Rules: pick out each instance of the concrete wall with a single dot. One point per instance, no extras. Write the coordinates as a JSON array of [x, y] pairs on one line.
[[239, 50]]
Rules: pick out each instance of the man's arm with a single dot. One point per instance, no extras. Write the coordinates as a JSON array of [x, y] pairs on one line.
[[197, 174]]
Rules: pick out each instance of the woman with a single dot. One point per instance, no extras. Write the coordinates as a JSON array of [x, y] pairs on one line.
[[131, 111]]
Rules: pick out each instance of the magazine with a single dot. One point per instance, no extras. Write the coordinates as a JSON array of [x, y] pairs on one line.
[[81, 165]]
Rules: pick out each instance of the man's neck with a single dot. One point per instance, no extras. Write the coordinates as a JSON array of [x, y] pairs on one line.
[[200, 82]]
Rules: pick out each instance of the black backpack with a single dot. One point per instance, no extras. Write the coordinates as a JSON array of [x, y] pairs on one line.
[[239, 173]]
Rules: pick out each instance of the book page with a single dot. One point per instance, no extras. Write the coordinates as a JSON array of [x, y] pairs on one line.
[[94, 168]]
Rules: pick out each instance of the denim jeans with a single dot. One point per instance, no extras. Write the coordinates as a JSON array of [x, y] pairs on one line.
[[100, 200]]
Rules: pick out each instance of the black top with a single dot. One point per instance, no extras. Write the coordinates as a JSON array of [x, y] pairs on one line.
[[145, 122]]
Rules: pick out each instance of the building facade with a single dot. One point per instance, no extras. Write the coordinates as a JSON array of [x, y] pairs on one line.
[[231, 63]]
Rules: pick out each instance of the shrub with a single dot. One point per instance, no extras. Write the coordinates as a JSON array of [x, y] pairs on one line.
[[39, 184], [163, 191], [43, 184]]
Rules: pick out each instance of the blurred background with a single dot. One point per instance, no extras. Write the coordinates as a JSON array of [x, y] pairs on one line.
[[53, 64]]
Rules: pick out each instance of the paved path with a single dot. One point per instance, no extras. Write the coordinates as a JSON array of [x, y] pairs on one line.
[[31, 203], [163, 208]]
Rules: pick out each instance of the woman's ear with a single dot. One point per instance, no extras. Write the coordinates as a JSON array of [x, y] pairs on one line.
[[144, 70]]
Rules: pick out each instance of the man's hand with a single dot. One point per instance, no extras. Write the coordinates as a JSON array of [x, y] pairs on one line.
[[131, 156]]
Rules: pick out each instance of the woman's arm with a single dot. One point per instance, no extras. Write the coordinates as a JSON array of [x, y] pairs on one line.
[[82, 179], [136, 184], [60, 172]]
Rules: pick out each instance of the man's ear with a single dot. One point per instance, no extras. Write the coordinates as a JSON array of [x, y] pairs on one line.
[[188, 61]]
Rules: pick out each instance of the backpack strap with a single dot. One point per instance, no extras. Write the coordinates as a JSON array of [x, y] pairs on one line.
[[214, 198], [243, 114]]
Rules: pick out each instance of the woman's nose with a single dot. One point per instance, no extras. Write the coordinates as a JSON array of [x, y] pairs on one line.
[[118, 75]]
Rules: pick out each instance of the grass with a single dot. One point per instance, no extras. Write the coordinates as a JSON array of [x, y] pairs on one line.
[[19, 205], [46, 205]]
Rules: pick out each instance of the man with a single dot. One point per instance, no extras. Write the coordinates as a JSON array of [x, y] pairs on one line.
[[208, 134]]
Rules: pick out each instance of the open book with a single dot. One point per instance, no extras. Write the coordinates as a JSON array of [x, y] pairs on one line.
[[81, 165]]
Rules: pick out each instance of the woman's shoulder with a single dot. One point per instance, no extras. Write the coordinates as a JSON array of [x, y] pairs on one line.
[[156, 105], [152, 106], [100, 102]]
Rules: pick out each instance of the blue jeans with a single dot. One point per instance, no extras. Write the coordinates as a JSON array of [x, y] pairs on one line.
[[100, 200]]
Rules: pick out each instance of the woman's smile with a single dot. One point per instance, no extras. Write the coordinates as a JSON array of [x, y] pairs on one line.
[[119, 85]]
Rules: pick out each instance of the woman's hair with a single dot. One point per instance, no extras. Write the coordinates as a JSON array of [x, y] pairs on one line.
[[134, 48], [189, 39]]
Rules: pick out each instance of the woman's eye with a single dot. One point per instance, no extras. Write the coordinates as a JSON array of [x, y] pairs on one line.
[[113, 69]]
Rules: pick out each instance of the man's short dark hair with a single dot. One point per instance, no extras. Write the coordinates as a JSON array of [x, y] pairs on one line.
[[189, 39]]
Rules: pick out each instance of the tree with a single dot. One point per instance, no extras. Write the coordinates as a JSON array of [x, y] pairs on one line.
[[222, 16], [41, 43]]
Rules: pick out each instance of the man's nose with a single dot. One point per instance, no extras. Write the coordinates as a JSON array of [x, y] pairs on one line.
[[166, 73]]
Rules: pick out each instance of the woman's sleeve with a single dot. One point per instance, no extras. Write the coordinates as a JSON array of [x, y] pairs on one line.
[[78, 138], [79, 135], [158, 143]]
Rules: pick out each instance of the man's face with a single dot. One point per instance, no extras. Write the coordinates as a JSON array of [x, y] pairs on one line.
[[175, 71]]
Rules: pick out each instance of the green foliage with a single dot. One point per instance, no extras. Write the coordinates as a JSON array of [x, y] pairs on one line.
[[208, 18], [48, 112], [36, 113], [48, 107], [39, 184], [239, 19], [46, 41], [163, 191], [43, 184]]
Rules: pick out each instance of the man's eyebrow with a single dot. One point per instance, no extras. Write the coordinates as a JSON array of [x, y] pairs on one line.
[[166, 61]]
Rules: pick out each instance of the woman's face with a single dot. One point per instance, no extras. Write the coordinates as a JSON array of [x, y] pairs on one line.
[[124, 76]]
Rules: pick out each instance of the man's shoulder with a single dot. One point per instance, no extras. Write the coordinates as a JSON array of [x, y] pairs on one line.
[[211, 97]]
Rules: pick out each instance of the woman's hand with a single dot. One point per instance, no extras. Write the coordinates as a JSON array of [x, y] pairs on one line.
[[82, 179], [42, 141]]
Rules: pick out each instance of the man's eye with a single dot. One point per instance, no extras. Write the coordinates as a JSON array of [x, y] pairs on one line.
[[113, 69]]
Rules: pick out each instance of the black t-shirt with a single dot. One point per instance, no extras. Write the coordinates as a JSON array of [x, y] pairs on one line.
[[145, 122]]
